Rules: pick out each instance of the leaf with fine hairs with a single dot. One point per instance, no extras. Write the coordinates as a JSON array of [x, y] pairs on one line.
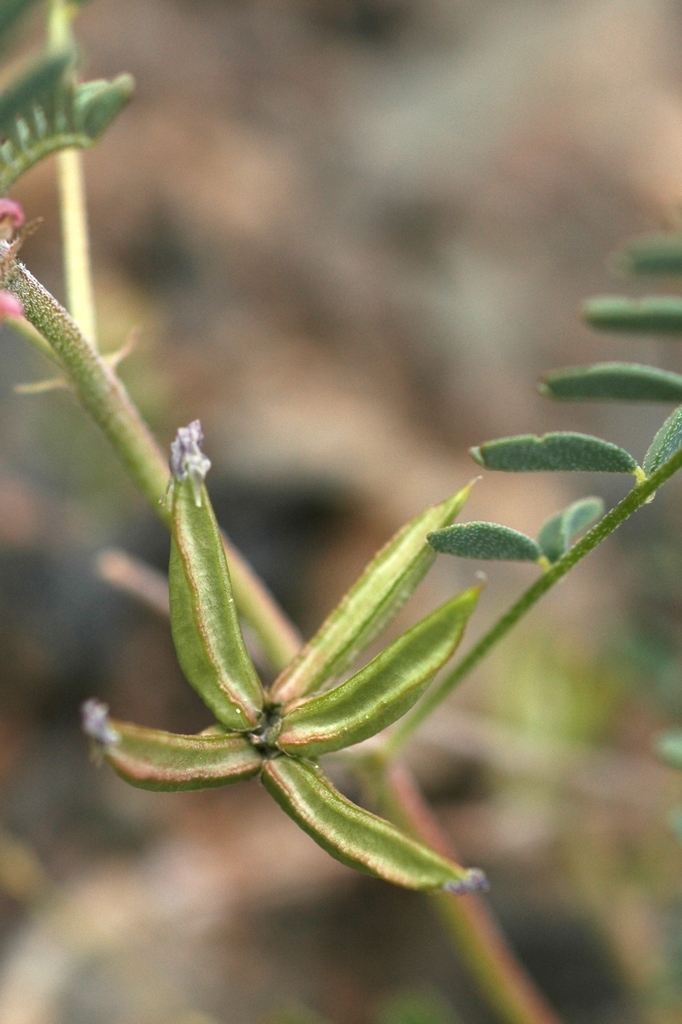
[[558, 532], [665, 444], [489, 541], [619, 382], [655, 314], [561, 451]]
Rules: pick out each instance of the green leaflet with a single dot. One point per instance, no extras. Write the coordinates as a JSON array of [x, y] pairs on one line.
[[152, 759], [357, 838], [69, 117], [655, 314], [33, 88], [485, 540], [654, 254], [560, 451], [373, 601], [204, 621], [665, 444], [384, 690], [558, 532], [669, 748], [627, 382]]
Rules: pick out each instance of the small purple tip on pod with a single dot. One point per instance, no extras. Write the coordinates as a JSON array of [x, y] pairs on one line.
[[96, 723], [474, 881], [187, 459]]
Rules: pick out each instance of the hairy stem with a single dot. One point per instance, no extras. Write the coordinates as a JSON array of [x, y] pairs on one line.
[[502, 980], [637, 497], [105, 398]]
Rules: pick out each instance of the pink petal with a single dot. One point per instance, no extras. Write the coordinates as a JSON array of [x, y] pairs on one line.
[[10, 305], [12, 211]]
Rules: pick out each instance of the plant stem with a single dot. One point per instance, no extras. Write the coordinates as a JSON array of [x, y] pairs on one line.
[[105, 398], [77, 267], [474, 932], [637, 497], [73, 210]]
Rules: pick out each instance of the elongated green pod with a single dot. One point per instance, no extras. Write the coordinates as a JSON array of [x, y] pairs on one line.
[[655, 314], [490, 541], [357, 838], [558, 532], [387, 582], [665, 444], [562, 451], [619, 382], [204, 621], [658, 254], [152, 759], [384, 690]]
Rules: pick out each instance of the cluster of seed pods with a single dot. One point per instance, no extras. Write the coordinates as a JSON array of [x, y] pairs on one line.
[[279, 733]]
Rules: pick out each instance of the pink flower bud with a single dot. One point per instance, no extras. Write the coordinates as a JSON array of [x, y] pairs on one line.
[[10, 305], [11, 218]]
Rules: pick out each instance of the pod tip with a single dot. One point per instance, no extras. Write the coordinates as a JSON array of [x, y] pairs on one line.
[[187, 458], [473, 881], [96, 722]]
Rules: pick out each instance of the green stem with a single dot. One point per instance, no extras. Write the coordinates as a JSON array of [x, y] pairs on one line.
[[476, 937], [72, 204], [105, 398], [77, 267], [637, 497]]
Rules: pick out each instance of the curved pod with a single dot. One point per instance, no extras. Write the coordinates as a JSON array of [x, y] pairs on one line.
[[204, 622], [386, 584], [152, 759], [357, 838], [384, 690]]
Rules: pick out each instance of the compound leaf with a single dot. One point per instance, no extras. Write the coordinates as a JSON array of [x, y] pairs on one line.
[[69, 117], [628, 382], [485, 540]]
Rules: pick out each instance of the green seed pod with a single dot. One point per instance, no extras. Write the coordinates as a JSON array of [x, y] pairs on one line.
[[204, 622], [559, 451], [357, 838], [485, 540], [657, 254], [665, 444], [655, 314], [621, 382], [152, 759], [383, 691], [558, 532], [373, 601]]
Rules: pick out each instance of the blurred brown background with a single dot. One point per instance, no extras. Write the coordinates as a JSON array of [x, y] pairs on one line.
[[353, 233]]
